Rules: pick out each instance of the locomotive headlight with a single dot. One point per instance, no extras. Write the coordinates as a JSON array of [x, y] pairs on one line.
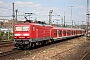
[[25, 34], [15, 37], [17, 34], [27, 37]]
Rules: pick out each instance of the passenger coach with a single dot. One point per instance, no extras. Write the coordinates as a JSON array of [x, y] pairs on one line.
[[63, 33]]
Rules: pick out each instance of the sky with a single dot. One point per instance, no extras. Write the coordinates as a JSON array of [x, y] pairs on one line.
[[41, 9]]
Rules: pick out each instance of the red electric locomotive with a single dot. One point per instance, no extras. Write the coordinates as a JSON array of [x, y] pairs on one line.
[[26, 35]]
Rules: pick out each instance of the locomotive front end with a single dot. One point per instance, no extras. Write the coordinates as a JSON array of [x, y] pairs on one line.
[[21, 35]]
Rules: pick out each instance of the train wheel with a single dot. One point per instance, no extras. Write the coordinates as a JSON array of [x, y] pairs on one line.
[[25, 47], [29, 46], [40, 43], [33, 44], [44, 42], [52, 41], [20, 47], [49, 41]]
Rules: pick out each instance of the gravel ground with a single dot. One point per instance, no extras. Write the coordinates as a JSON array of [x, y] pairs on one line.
[[73, 49], [76, 49]]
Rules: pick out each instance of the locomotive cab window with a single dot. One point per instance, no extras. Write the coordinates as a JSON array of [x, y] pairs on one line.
[[22, 28], [25, 28], [18, 28]]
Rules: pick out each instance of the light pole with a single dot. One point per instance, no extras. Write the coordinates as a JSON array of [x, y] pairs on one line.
[[82, 24], [64, 19], [87, 16], [71, 15], [72, 23], [13, 16], [16, 15], [50, 16]]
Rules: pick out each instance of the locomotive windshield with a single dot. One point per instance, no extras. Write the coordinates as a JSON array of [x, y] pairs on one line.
[[22, 28]]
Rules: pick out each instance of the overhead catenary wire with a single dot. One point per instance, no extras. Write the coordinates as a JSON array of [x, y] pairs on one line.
[[5, 8], [5, 16]]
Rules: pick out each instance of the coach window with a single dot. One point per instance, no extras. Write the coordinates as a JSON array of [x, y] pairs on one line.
[[60, 32], [79, 32], [64, 32], [55, 32], [67, 31], [71, 32], [74, 32]]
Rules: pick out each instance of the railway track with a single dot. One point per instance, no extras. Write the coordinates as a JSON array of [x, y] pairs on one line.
[[9, 52], [5, 44], [86, 56]]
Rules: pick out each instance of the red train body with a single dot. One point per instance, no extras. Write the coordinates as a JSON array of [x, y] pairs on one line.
[[32, 31], [27, 35]]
